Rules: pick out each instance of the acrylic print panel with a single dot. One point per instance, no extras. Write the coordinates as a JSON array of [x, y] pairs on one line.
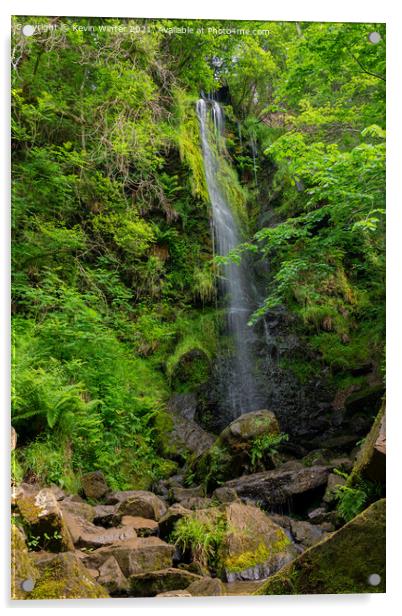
[[198, 308]]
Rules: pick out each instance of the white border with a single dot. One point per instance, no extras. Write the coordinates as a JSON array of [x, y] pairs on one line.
[[284, 10]]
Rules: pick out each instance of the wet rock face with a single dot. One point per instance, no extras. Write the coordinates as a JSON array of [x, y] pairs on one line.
[[303, 409], [343, 563]]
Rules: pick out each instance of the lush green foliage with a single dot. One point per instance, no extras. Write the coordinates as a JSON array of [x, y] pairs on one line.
[[203, 538], [351, 500], [322, 133]]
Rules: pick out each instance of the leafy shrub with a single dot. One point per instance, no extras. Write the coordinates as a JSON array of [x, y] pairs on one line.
[[263, 446]]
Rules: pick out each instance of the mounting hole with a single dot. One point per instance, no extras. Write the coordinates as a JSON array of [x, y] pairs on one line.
[[374, 37], [28, 30], [374, 579], [28, 585]]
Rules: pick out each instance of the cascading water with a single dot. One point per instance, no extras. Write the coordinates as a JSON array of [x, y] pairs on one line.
[[240, 384]]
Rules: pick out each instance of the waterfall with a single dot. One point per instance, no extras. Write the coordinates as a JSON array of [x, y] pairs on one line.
[[240, 387]]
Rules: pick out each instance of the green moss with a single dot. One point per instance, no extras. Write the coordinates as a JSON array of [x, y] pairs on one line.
[[342, 563], [190, 363], [302, 369], [22, 565], [66, 578], [188, 139], [252, 558]]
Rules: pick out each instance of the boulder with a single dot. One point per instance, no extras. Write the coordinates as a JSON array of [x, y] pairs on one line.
[[138, 503], [22, 565], [94, 485], [253, 546], [341, 563], [42, 513], [178, 494], [111, 577], [104, 515], [238, 435], [155, 582], [321, 516], [230, 454], [62, 576], [86, 535], [134, 555], [142, 526], [206, 587], [81, 509], [172, 515], [305, 533], [278, 486]]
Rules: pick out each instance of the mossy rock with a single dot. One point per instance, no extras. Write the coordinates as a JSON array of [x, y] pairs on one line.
[[64, 577], [153, 583], [43, 518], [342, 563], [22, 565], [371, 459], [134, 555], [254, 546], [230, 454], [239, 434]]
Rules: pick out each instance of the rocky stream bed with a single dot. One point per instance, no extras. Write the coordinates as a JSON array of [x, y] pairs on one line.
[[273, 531]]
